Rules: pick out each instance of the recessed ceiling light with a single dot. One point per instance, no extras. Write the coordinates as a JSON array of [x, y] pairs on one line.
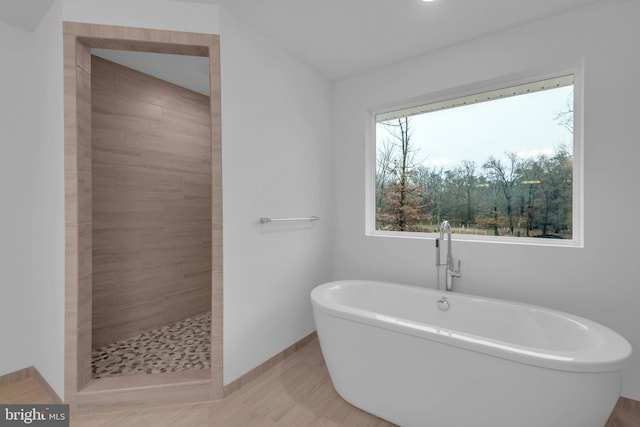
[[428, 1]]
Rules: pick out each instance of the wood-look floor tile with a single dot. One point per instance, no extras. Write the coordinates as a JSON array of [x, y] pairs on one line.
[[297, 392], [177, 416], [324, 422], [131, 418], [326, 401], [270, 398], [358, 418], [235, 414], [298, 416]]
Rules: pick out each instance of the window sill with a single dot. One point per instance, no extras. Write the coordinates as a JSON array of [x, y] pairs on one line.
[[526, 241]]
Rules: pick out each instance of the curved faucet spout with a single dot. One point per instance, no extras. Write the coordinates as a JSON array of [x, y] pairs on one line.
[[445, 227]]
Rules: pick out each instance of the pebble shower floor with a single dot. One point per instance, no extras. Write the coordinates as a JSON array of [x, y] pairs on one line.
[[180, 346]]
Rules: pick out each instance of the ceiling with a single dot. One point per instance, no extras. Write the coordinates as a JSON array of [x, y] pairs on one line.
[[25, 14], [341, 38], [191, 72]]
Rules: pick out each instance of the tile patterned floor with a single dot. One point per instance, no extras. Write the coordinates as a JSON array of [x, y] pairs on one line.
[[296, 392], [180, 346]]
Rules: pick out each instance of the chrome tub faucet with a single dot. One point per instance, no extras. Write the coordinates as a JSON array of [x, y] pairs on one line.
[[451, 271]]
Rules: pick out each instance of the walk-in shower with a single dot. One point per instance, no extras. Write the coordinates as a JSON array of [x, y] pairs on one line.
[[151, 222]]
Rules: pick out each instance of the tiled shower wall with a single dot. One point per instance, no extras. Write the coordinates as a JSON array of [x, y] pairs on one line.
[[151, 202]]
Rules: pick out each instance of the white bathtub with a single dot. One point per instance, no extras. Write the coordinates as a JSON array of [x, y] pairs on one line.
[[484, 362]]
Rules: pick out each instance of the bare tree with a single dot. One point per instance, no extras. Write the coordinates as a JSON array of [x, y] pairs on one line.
[[556, 188], [565, 118], [431, 184], [504, 176], [530, 172], [400, 197], [384, 158], [468, 175]]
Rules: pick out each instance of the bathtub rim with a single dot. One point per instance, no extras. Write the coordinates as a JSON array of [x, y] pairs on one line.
[[605, 358]]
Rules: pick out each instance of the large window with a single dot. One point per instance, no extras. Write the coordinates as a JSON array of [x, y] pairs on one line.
[[492, 163]]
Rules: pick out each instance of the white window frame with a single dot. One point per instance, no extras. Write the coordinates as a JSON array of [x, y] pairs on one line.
[[577, 240]]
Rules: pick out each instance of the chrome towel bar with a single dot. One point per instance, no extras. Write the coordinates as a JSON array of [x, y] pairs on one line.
[[265, 220]]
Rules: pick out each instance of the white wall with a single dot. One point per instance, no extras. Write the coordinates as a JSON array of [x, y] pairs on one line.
[[32, 200], [48, 214], [31, 218], [18, 239], [155, 14], [598, 281], [276, 162]]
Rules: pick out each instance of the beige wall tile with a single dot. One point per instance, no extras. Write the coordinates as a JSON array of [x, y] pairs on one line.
[[150, 211]]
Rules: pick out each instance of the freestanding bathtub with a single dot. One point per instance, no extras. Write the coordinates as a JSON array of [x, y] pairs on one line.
[[395, 351]]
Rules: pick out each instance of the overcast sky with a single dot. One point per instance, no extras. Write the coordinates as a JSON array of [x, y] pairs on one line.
[[524, 124]]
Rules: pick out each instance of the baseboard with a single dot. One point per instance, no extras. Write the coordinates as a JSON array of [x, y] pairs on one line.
[[30, 372], [262, 368], [15, 376]]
